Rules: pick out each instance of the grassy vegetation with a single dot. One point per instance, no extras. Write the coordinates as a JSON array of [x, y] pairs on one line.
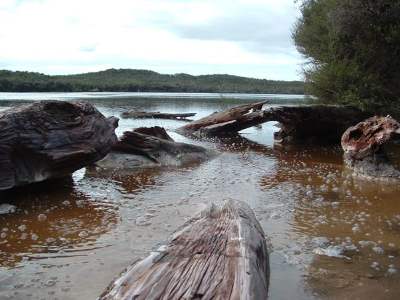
[[128, 80]]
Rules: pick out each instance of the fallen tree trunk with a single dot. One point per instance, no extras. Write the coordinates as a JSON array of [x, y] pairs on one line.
[[226, 122], [51, 139], [156, 115], [220, 254], [365, 144], [151, 147], [298, 124]]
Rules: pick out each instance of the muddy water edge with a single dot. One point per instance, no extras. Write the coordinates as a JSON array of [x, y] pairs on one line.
[[331, 235]]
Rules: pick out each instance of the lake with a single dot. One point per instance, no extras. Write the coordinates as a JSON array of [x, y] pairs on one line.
[[330, 235]]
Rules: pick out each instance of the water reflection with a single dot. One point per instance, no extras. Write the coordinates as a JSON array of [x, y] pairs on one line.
[[360, 224], [50, 220], [331, 235], [128, 181], [346, 228]]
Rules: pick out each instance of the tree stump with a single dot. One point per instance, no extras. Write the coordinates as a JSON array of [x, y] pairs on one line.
[[220, 254], [364, 147]]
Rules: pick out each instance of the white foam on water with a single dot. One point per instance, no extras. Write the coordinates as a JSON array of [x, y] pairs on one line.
[[7, 209]]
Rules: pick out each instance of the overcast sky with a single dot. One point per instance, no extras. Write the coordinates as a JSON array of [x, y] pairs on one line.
[[240, 37]]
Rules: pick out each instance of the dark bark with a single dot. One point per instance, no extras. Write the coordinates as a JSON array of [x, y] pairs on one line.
[[156, 115], [226, 122], [220, 254], [51, 139], [155, 131], [319, 124], [298, 124]]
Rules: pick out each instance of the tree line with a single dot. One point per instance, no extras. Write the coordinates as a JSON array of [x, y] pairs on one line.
[[128, 80]]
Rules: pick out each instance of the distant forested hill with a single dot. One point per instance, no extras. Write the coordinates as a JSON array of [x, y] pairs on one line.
[[128, 80]]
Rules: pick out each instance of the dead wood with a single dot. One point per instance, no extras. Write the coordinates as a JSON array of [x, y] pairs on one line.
[[298, 124], [156, 115], [155, 131], [226, 122], [152, 147], [51, 139], [220, 254], [365, 144]]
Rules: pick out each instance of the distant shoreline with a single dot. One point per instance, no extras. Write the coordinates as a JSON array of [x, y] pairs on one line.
[[130, 80], [28, 97]]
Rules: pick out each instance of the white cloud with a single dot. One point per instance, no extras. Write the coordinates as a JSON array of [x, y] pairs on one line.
[[250, 38]]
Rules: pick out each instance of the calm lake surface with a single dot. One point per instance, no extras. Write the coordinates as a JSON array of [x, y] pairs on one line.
[[330, 235]]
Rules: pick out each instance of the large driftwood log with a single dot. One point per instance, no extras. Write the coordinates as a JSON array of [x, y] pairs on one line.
[[221, 254], [156, 115], [322, 124], [226, 122], [51, 139], [298, 124], [148, 147], [364, 147]]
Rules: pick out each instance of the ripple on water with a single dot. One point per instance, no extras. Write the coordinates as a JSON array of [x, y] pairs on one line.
[[329, 233]]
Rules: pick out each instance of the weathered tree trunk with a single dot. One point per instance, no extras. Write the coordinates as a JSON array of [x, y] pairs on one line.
[[221, 254], [364, 147], [298, 124], [156, 115], [226, 122], [151, 147], [51, 139]]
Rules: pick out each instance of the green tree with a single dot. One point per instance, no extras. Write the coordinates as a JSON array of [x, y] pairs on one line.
[[353, 52], [142, 80]]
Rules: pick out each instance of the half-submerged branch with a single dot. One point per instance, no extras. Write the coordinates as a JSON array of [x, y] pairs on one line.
[[156, 115], [220, 254], [298, 124]]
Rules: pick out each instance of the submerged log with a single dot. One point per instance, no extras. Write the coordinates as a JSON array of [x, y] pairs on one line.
[[51, 139], [220, 254], [151, 147], [298, 124], [156, 115], [364, 147]]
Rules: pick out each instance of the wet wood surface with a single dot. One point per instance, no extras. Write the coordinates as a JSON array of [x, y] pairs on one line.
[[155, 144], [51, 139]]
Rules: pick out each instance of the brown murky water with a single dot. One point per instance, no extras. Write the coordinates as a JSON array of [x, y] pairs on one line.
[[331, 235]]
